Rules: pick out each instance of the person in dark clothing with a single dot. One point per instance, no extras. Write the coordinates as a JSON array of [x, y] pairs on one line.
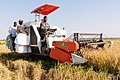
[[44, 27]]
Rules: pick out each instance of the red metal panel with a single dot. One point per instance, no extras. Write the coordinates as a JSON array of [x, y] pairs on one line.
[[67, 45], [45, 9], [61, 55]]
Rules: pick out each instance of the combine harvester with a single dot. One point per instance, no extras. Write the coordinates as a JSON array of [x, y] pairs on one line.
[[56, 44]]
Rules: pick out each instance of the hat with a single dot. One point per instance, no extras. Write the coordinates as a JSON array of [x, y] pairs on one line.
[[20, 20]]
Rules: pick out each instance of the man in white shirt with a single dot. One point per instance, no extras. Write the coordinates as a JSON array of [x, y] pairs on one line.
[[13, 32]]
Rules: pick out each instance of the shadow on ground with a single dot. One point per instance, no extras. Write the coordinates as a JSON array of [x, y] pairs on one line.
[[46, 61]]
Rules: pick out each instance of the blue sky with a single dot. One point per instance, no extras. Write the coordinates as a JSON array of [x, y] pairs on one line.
[[90, 16]]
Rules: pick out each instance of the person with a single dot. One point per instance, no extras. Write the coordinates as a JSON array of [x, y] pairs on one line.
[[44, 27], [44, 30], [13, 32], [19, 27]]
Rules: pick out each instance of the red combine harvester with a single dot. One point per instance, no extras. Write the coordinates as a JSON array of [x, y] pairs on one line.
[[56, 45]]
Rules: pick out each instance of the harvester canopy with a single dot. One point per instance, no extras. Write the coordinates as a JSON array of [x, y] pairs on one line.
[[45, 9]]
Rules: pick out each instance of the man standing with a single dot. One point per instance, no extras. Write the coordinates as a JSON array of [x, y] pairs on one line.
[[19, 27], [44, 30], [13, 32], [44, 27]]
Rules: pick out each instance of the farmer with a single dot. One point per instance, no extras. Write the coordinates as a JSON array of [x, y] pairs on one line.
[[44, 27], [19, 27], [13, 32]]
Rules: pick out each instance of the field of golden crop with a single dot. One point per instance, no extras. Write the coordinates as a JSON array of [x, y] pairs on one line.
[[2, 42], [101, 65]]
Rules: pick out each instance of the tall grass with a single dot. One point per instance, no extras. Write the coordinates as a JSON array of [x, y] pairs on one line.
[[68, 72], [101, 65], [107, 60], [24, 70], [2, 42]]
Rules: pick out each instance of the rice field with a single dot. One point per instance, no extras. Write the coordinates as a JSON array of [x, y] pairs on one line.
[[101, 65]]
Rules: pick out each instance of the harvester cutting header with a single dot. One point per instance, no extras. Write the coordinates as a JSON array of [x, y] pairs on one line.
[[41, 39]]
